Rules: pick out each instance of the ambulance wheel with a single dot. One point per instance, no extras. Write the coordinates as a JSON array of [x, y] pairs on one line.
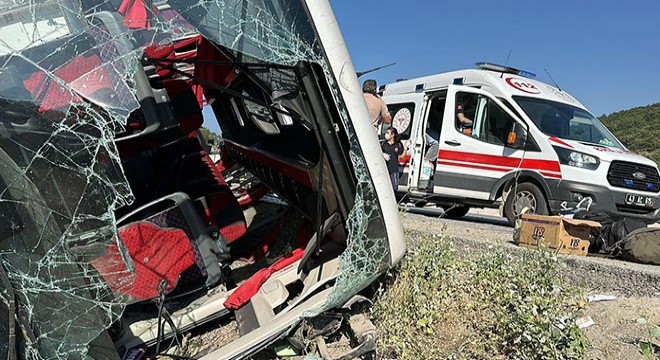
[[525, 195], [456, 212]]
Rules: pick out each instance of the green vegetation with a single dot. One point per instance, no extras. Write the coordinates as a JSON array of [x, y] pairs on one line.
[[638, 129], [485, 305], [646, 346]]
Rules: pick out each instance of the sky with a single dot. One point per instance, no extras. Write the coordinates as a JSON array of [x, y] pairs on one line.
[[605, 53]]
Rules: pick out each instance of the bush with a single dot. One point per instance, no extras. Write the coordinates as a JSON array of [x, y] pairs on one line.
[[489, 305]]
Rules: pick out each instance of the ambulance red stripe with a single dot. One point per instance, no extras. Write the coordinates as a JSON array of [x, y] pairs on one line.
[[551, 175], [492, 168], [560, 141], [478, 158], [535, 164], [473, 166], [547, 168]]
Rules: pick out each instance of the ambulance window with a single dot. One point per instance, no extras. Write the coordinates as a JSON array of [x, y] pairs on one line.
[[466, 109], [402, 115], [580, 129], [490, 123], [508, 105], [531, 144]]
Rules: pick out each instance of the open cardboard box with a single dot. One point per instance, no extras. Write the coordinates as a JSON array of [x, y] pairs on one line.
[[569, 236]]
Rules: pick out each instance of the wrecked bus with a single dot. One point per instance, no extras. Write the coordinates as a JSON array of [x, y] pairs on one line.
[[117, 231]]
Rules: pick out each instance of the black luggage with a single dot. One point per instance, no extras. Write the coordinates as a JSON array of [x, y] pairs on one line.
[[613, 231]]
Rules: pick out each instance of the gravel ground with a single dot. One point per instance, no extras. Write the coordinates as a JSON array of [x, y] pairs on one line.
[[620, 324]]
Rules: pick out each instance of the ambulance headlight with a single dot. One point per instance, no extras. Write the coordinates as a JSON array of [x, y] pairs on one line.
[[577, 159]]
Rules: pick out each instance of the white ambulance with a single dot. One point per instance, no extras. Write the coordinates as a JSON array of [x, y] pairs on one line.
[[495, 137]]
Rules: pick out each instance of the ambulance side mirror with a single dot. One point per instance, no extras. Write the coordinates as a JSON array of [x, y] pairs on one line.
[[512, 138], [517, 137]]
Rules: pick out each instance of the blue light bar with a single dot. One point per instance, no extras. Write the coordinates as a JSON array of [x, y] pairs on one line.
[[651, 186], [504, 69], [526, 74], [629, 182]]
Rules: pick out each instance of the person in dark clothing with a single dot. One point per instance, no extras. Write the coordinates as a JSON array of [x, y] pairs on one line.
[[464, 124], [392, 150]]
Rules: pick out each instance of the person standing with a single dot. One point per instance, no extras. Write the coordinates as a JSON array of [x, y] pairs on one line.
[[377, 108], [392, 150]]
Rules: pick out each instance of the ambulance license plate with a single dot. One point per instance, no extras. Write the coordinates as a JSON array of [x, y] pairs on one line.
[[638, 200]]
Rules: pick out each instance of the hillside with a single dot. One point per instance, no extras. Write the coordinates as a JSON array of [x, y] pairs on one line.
[[638, 128]]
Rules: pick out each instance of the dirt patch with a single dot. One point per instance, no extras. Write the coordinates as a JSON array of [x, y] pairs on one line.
[[621, 325], [207, 338]]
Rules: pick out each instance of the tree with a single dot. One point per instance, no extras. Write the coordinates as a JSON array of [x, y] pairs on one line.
[[638, 129]]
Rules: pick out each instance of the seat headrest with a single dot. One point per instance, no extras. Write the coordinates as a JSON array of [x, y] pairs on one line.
[[185, 105]]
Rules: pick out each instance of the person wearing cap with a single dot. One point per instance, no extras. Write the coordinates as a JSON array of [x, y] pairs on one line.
[[377, 108]]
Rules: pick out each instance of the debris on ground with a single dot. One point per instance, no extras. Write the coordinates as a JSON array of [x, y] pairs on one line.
[[599, 297], [584, 322], [285, 351]]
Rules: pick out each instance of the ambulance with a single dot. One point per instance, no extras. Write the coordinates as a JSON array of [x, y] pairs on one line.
[[496, 137]]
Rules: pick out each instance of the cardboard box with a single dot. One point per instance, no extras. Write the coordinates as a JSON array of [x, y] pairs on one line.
[[569, 236]]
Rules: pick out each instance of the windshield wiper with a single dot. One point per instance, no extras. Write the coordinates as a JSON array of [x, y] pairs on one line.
[[597, 144]]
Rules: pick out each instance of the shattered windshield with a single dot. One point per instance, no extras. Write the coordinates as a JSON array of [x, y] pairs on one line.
[[277, 32], [69, 85]]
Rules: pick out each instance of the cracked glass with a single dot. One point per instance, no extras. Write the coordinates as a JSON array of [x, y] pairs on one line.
[[64, 93], [280, 32], [67, 89]]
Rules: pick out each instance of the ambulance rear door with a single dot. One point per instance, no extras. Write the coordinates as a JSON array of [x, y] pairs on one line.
[[407, 114]]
